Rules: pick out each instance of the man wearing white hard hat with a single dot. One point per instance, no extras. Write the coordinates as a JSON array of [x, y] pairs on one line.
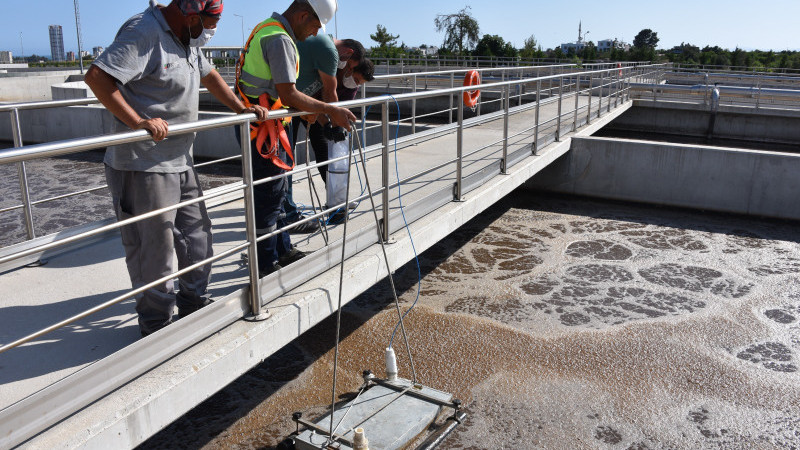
[[266, 76]]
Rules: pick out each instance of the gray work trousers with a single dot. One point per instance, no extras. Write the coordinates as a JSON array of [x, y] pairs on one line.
[[150, 244]]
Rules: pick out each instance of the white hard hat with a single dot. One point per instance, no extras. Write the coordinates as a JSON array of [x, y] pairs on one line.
[[325, 10]]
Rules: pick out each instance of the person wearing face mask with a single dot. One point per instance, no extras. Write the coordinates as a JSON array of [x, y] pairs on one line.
[[321, 57], [149, 78], [267, 75]]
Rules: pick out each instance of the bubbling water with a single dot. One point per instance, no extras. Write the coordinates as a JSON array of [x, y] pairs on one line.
[[570, 323]]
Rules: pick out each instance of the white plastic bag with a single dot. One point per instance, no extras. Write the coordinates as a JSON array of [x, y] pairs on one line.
[[337, 172]]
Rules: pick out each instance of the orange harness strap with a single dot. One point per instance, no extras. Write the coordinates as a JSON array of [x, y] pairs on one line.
[[269, 132]]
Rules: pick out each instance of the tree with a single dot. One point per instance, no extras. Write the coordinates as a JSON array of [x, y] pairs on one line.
[[460, 30], [644, 45], [383, 38], [491, 45], [531, 49], [646, 38]]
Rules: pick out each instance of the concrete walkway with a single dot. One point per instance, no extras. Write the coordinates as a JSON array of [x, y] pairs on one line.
[[46, 375]]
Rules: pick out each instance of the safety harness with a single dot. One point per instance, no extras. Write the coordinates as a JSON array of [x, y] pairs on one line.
[[269, 132]]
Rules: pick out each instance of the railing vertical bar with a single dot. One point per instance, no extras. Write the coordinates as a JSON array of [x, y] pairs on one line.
[[452, 85], [577, 96], [536, 124], [414, 109], [250, 220], [459, 149], [506, 101], [560, 98], [22, 173], [385, 168]]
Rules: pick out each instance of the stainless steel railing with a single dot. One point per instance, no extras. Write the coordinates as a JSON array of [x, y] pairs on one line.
[[610, 87], [569, 85]]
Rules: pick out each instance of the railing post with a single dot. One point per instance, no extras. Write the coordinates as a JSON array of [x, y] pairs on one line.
[[414, 109], [560, 98], [480, 100], [363, 116], [506, 101], [610, 82], [16, 129], [577, 95], [452, 85], [616, 89], [589, 110], [250, 222], [458, 194], [385, 168], [536, 125]]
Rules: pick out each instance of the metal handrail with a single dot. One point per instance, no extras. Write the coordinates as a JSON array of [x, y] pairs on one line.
[[22, 154], [616, 83]]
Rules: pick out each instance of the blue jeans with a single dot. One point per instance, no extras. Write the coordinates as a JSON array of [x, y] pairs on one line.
[[269, 198]]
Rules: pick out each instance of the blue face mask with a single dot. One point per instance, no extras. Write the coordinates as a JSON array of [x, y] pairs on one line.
[[203, 39]]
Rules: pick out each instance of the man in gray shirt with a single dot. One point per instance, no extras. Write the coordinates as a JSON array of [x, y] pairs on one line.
[[148, 78]]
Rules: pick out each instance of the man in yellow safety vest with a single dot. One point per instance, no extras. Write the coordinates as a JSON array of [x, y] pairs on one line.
[[266, 76]]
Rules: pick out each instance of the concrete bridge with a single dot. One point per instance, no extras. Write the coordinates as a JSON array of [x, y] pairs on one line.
[[90, 382]]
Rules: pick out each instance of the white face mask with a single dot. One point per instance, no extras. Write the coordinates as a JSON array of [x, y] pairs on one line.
[[203, 39], [342, 64], [349, 82]]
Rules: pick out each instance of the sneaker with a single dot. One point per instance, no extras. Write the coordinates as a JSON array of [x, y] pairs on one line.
[[271, 269], [306, 227], [292, 256]]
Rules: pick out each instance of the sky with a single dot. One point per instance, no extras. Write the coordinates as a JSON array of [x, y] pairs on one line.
[[773, 24]]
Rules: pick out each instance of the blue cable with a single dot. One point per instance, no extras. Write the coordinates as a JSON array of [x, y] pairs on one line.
[[405, 222]]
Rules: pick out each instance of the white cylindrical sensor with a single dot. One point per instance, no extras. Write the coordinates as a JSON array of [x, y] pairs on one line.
[[391, 364]]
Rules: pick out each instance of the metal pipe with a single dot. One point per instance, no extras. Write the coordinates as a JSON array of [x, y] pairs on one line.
[[536, 123], [250, 222], [560, 101], [459, 150], [414, 109], [23, 176], [385, 169], [507, 98], [591, 92], [577, 96], [452, 85]]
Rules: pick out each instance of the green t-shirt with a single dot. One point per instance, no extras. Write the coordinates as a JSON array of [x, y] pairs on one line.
[[317, 53]]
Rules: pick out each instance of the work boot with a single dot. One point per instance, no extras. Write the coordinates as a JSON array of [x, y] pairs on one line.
[[268, 270], [188, 304], [291, 256], [149, 328], [338, 217], [304, 228]]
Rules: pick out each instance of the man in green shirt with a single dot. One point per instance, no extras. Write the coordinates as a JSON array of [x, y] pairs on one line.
[[320, 58]]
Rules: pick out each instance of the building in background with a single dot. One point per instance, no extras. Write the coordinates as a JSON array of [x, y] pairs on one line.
[[84, 53], [70, 56], [6, 57], [56, 43], [97, 51], [607, 44]]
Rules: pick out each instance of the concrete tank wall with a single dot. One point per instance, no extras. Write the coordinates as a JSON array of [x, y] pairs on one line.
[[31, 87], [747, 124], [738, 181]]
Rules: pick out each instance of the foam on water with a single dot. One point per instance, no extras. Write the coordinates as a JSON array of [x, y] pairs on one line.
[[570, 323]]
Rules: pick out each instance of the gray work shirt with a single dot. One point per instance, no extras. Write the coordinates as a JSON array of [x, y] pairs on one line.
[[278, 52], [159, 77]]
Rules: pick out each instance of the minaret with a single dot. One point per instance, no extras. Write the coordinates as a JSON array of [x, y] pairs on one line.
[[580, 36]]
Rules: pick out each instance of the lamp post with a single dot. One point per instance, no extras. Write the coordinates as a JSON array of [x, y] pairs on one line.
[[21, 48], [242, 19]]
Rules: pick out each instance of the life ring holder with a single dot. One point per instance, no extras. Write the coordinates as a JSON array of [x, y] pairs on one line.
[[472, 78]]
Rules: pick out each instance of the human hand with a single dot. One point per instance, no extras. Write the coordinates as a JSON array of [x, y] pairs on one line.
[[260, 112], [158, 128], [342, 117]]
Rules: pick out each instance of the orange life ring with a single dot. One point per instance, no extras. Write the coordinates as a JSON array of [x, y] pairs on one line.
[[471, 97], [619, 66]]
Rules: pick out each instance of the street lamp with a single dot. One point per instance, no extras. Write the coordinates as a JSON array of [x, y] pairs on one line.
[[242, 18]]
